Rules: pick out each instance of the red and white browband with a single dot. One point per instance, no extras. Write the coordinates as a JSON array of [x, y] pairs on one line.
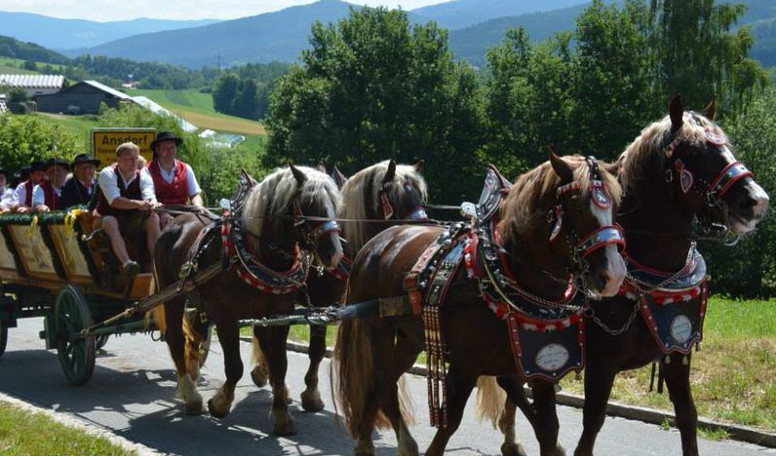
[[603, 236]]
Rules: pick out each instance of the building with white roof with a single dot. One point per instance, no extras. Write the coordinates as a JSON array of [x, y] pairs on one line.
[[34, 84]]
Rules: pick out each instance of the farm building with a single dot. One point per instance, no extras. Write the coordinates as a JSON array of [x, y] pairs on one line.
[[82, 98], [34, 84]]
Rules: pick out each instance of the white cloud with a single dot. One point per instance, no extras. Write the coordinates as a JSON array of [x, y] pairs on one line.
[[115, 10]]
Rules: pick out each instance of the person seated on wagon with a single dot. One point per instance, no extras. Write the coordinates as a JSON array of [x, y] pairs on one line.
[[174, 180], [6, 194], [22, 196], [45, 196], [81, 186], [125, 201]]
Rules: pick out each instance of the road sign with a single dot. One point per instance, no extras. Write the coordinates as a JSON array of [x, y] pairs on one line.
[[106, 140]]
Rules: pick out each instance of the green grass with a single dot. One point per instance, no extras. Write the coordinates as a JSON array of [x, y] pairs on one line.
[[14, 66], [80, 126], [197, 108], [21, 430]]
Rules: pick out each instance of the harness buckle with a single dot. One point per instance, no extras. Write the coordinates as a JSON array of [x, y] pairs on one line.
[[188, 268]]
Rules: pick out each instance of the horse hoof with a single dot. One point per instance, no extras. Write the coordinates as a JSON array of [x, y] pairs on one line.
[[193, 408], [259, 377], [284, 428], [513, 449], [311, 401], [215, 411]]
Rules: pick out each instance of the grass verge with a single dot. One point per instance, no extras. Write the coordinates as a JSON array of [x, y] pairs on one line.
[[21, 430]]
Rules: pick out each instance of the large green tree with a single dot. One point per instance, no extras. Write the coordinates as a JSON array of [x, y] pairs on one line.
[[372, 88]]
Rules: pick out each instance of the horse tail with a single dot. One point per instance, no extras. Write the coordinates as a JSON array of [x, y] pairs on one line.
[[490, 399], [194, 338], [157, 313], [405, 402], [353, 376]]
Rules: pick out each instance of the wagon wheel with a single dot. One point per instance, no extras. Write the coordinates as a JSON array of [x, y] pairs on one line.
[[3, 337], [76, 354], [100, 341]]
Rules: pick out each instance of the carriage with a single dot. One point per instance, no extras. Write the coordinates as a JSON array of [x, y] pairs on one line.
[[53, 265]]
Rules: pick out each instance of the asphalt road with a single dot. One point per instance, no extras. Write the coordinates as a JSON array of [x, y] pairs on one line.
[[132, 394]]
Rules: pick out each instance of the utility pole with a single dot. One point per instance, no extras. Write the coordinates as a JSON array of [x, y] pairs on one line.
[[219, 62]]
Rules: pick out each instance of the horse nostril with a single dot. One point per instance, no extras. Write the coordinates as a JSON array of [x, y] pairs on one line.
[[745, 203], [602, 278]]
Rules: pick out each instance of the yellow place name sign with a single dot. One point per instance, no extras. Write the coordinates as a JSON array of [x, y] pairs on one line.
[[106, 140]]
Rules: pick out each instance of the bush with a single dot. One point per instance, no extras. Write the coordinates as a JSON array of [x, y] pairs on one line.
[[24, 138]]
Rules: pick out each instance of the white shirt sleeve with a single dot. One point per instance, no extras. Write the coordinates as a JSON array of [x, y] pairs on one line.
[[20, 194], [192, 182], [108, 186], [38, 196], [6, 199], [147, 186]]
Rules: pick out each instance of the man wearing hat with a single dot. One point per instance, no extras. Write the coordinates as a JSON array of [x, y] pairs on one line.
[[46, 195], [6, 194], [22, 196], [78, 190], [174, 180]]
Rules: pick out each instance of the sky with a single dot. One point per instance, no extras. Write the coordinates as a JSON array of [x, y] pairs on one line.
[[115, 10]]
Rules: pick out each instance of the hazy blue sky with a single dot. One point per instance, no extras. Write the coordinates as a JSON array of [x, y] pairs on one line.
[[112, 10]]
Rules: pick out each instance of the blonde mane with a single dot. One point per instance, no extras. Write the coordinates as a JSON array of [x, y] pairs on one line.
[[534, 193], [366, 184], [653, 141], [270, 201]]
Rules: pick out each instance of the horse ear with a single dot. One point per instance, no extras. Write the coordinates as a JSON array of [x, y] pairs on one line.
[[676, 112], [562, 169], [321, 167], [298, 175], [391, 173], [710, 111], [419, 165], [338, 177]]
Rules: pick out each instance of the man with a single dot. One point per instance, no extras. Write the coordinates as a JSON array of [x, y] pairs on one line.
[[6, 194], [22, 196], [78, 190], [124, 203], [45, 196], [174, 180]]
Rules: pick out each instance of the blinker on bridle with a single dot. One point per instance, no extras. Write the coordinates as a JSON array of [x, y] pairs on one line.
[[598, 238], [419, 213]]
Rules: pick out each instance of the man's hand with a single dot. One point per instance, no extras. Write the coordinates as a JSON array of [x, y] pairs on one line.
[[42, 208]]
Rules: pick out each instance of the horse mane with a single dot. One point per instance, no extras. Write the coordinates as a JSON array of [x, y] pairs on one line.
[[270, 201], [367, 183], [534, 193], [652, 142]]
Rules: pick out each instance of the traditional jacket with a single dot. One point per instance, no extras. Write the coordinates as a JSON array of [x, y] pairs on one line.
[[51, 195], [175, 192], [75, 193]]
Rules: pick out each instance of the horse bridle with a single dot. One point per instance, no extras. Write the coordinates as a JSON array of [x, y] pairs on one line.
[[418, 213], [596, 239], [310, 235]]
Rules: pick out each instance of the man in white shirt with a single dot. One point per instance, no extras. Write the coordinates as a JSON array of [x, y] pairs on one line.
[[125, 203], [174, 180], [22, 196], [6, 194], [45, 196]]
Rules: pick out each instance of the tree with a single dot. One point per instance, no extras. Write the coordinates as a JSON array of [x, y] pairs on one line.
[[245, 102], [370, 88], [224, 91], [25, 138]]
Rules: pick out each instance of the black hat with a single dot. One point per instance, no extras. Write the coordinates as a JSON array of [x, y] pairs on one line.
[[56, 161], [165, 136], [37, 165], [84, 158]]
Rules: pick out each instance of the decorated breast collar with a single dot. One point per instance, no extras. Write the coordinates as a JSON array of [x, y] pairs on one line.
[[650, 280]]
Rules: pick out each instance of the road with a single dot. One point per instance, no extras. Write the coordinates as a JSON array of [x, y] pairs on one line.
[[132, 394]]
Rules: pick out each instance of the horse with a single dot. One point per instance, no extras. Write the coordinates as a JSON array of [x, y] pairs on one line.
[[373, 199], [264, 248], [678, 173], [538, 242]]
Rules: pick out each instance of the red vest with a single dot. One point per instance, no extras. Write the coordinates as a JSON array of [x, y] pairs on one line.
[[50, 197], [176, 192], [28, 195], [132, 192]]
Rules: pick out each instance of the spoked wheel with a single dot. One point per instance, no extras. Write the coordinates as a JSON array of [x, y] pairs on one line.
[[3, 337], [100, 341], [76, 354]]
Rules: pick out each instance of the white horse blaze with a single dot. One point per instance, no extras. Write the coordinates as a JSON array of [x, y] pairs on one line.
[[615, 266]]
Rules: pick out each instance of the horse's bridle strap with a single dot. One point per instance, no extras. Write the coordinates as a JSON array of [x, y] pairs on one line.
[[603, 236], [731, 174], [325, 228]]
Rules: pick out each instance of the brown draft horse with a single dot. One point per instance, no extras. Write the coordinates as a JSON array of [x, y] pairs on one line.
[[281, 240], [657, 215], [382, 192], [371, 354]]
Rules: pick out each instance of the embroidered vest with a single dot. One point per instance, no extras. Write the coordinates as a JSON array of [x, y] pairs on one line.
[[50, 196], [175, 192], [132, 192]]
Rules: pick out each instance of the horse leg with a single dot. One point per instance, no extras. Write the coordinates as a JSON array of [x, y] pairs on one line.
[[260, 371], [311, 397], [229, 337], [459, 386], [176, 341], [677, 376], [513, 386], [273, 341], [598, 386], [546, 426]]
